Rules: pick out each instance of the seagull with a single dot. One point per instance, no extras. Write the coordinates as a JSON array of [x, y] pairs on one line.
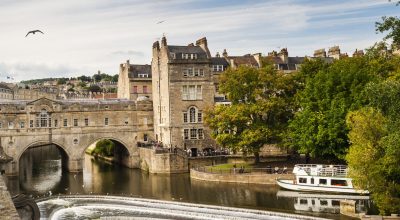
[[160, 22], [33, 32]]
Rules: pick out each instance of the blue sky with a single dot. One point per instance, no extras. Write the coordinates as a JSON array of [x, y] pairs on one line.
[[82, 37]]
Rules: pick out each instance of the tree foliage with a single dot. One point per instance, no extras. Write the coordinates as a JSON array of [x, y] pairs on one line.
[[105, 148], [259, 111], [374, 154], [319, 126]]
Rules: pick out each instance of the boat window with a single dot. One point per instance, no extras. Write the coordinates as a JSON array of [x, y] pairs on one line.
[[322, 181], [302, 180], [323, 202], [313, 202], [335, 203], [338, 182], [303, 201], [312, 180]]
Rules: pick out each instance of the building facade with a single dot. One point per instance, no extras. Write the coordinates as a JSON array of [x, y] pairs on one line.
[[134, 81], [183, 89]]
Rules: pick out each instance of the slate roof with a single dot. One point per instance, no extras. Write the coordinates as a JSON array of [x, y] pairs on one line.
[[219, 61], [179, 50], [243, 60], [135, 70]]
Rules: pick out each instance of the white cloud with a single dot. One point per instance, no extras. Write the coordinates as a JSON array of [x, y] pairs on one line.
[[84, 36]]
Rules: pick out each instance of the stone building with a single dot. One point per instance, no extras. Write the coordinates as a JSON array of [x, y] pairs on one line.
[[5, 91], [183, 88], [134, 81]]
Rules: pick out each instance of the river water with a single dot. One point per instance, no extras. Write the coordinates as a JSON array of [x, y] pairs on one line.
[[41, 175]]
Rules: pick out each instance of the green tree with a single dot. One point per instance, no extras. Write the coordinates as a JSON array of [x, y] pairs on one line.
[[94, 88], [62, 81], [105, 148], [82, 84], [391, 25], [259, 111], [319, 126]]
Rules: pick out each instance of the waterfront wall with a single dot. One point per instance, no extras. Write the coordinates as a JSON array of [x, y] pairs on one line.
[[7, 208], [249, 178], [153, 162]]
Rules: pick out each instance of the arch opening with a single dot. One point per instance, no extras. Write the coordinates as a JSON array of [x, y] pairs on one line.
[[109, 150], [40, 167]]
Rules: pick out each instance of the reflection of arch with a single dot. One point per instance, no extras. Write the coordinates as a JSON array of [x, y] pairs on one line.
[[38, 143], [108, 138]]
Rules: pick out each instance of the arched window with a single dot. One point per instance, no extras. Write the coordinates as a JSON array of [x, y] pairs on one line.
[[43, 119], [192, 115]]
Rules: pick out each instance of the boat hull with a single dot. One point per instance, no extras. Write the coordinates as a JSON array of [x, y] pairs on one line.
[[289, 184]]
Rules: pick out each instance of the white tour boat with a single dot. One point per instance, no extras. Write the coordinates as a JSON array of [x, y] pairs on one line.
[[320, 178]]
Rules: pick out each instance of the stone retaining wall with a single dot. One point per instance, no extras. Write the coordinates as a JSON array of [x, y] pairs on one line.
[[249, 178], [7, 209]]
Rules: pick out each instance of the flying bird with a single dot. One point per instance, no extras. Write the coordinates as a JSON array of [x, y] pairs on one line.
[[160, 22], [33, 32]]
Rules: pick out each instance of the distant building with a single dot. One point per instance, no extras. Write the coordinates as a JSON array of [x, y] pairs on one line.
[[5, 92], [134, 81]]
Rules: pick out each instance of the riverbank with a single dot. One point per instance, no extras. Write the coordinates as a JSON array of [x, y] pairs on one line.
[[237, 177]]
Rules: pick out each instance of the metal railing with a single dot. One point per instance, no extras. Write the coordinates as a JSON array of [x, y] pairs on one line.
[[324, 170], [244, 170]]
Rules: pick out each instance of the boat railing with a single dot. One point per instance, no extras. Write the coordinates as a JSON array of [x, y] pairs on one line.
[[323, 170], [244, 170]]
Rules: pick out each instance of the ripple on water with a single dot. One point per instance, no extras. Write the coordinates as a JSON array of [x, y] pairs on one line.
[[115, 207]]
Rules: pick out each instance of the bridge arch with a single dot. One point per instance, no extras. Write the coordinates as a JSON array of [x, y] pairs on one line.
[[39, 143], [125, 145]]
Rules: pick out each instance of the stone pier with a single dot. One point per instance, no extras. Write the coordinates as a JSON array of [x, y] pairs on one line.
[[7, 209]]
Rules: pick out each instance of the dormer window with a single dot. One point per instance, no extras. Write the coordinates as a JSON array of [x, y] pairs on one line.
[[191, 56], [143, 75], [173, 56], [218, 68]]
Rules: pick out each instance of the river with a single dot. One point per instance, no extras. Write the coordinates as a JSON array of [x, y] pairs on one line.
[[41, 175]]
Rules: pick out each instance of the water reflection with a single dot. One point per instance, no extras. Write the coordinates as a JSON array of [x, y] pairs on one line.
[[40, 172]]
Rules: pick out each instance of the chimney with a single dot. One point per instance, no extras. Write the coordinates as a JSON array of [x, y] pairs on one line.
[[127, 62], [257, 56], [320, 53], [284, 55], [156, 45], [273, 54], [217, 55], [163, 41], [202, 42], [334, 52], [190, 45], [225, 54]]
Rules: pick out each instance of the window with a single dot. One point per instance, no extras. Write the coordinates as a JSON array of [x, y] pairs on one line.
[[145, 137], [186, 134], [323, 202], [192, 112], [192, 92], [338, 182], [199, 94], [86, 122], [10, 124], [135, 89], [31, 123], [43, 119], [200, 133], [143, 75], [193, 133], [218, 68], [145, 89], [199, 117], [302, 180], [75, 122], [185, 117], [184, 92], [1, 125], [322, 181], [105, 121], [55, 123], [312, 180], [172, 55], [22, 124], [190, 72], [185, 56], [65, 122], [193, 56], [303, 201], [201, 72], [335, 203]]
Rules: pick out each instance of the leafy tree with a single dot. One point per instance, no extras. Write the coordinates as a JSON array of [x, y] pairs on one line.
[[374, 154], [104, 147], [84, 78], [392, 26], [319, 126], [94, 88], [259, 111], [82, 84], [97, 77], [62, 81], [115, 78]]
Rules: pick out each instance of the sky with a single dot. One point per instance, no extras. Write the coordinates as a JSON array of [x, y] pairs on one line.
[[84, 36]]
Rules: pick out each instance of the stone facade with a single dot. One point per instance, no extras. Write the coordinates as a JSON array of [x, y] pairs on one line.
[[73, 126], [134, 81], [183, 89]]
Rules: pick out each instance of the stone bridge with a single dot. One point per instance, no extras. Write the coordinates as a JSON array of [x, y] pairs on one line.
[[73, 126]]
